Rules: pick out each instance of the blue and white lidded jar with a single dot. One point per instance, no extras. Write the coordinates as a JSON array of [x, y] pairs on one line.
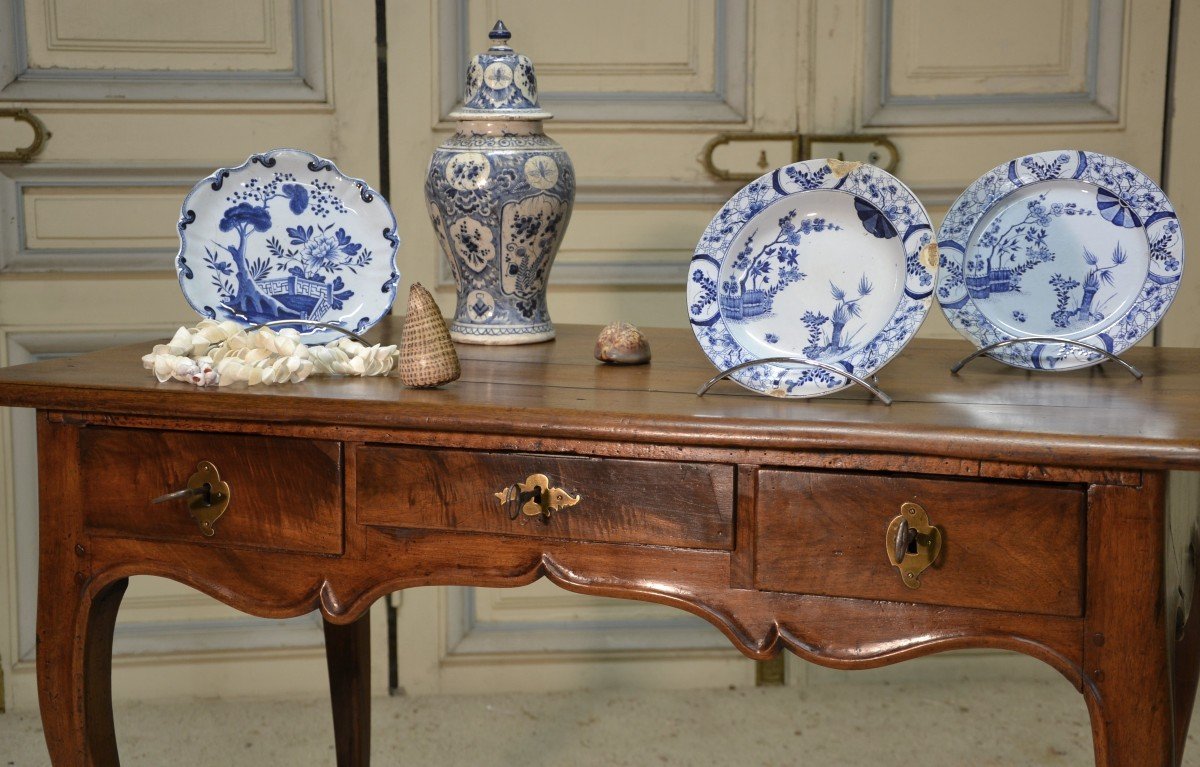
[[500, 194]]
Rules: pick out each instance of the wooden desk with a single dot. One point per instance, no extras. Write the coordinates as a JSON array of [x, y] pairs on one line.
[[766, 517]]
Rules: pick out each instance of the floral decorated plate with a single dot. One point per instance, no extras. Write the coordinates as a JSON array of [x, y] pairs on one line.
[[822, 260], [1068, 244], [287, 236]]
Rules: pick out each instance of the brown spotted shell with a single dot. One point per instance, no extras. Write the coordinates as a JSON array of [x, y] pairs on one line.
[[427, 355]]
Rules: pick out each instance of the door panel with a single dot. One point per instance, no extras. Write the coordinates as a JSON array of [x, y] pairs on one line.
[[140, 50], [637, 90], [935, 69], [633, 107], [998, 103], [144, 99], [214, 36], [1181, 327]]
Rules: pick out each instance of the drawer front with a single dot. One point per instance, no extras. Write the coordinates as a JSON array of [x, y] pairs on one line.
[[285, 494], [688, 505], [1006, 546]]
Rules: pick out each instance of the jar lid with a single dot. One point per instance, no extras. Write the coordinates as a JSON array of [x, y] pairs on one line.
[[501, 84]]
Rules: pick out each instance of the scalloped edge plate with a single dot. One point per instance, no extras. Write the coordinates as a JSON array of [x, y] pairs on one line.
[[316, 245]]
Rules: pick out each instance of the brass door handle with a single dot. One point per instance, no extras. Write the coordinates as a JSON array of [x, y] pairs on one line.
[[207, 497], [913, 544], [40, 136], [882, 151], [535, 498]]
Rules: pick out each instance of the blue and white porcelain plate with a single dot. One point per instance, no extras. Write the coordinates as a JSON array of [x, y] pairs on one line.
[[288, 236], [1067, 244], [824, 260]]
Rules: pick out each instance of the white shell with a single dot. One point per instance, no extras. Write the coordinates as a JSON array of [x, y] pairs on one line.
[[221, 353]]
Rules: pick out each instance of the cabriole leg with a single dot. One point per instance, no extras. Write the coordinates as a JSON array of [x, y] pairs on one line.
[[74, 668], [348, 655]]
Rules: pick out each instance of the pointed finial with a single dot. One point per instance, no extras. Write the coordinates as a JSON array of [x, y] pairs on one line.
[[499, 32], [499, 37]]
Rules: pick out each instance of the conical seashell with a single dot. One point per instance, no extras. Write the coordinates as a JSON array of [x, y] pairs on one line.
[[427, 355]]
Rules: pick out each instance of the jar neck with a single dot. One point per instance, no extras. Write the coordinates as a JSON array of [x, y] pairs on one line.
[[499, 127]]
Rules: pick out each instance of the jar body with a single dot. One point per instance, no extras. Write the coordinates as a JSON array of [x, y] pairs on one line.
[[500, 195]]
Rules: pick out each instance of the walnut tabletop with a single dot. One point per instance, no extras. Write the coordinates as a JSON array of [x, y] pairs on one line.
[[1095, 416], [999, 508]]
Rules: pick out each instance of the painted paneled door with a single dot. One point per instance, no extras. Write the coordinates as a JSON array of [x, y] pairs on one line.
[[143, 99], [637, 90]]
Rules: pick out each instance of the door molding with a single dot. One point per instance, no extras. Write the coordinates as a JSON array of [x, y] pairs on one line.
[[19, 184], [305, 81], [1098, 102], [727, 102], [467, 638]]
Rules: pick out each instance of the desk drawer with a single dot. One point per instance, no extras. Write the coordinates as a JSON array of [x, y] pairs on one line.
[[654, 502], [1006, 545], [285, 494]]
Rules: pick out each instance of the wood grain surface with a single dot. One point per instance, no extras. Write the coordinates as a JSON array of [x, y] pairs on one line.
[[1006, 545], [661, 503], [766, 517], [285, 494], [1097, 417]]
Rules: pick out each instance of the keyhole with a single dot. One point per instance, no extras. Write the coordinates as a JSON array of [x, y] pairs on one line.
[[762, 160], [912, 545]]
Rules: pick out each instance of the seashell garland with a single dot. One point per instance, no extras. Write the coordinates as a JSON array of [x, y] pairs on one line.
[[427, 355], [220, 353]]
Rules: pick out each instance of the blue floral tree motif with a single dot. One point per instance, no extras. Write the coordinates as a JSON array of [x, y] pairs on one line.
[[243, 219], [708, 291], [466, 175], [845, 308], [815, 375], [252, 291], [806, 180], [952, 275], [813, 321], [319, 251], [1130, 186], [1046, 169], [766, 270], [1003, 257], [533, 228], [1065, 313], [1163, 243], [1063, 286], [745, 205]]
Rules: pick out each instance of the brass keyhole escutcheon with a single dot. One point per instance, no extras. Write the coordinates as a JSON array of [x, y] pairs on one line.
[[912, 543], [535, 498], [207, 497]]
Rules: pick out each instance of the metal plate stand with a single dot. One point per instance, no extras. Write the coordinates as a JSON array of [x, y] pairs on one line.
[[879, 394], [1045, 340]]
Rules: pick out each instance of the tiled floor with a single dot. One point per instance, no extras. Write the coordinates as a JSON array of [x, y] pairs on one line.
[[957, 725]]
